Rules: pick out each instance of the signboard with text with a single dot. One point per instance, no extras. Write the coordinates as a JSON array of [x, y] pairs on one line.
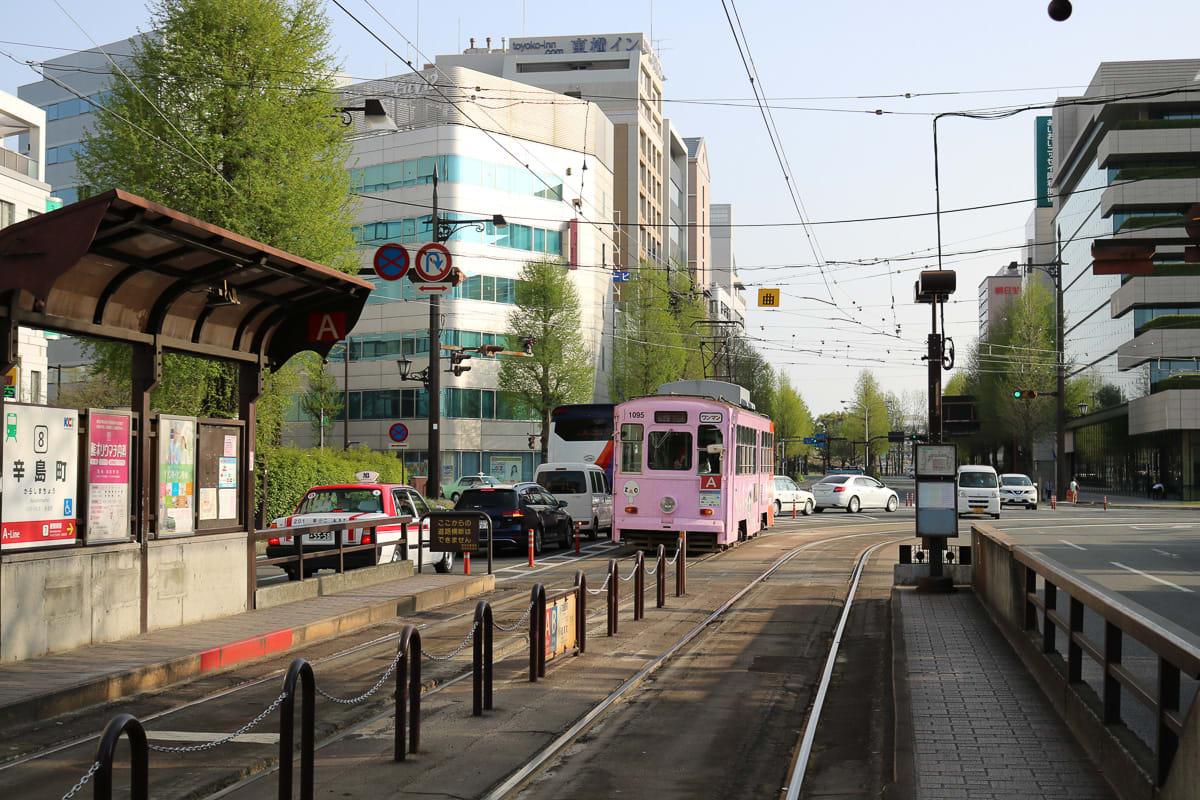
[[41, 462], [561, 634], [109, 448], [453, 534], [1045, 161]]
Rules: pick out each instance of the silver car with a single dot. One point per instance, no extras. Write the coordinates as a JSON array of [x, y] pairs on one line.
[[853, 492], [1017, 490]]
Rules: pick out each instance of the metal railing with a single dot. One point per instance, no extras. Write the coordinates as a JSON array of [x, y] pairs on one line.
[[1011, 589], [306, 551]]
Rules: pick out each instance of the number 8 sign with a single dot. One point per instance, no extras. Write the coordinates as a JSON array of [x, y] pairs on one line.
[[432, 263]]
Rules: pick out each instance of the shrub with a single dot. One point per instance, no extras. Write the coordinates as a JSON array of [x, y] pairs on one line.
[[287, 473]]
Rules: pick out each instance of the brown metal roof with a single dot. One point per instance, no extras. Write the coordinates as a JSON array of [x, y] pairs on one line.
[[119, 267]]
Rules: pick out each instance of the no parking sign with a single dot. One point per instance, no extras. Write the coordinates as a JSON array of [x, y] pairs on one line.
[[391, 262]]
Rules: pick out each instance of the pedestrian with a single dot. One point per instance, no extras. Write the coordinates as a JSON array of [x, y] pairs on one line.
[[1159, 491], [1073, 491]]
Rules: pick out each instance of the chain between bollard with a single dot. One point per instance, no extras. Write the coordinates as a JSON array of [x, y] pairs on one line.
[[198, 748], [675, 557], [652, 571], [387, 673], [603, 587], [631, 574], [82, 781], [461, 647], [516, 624]]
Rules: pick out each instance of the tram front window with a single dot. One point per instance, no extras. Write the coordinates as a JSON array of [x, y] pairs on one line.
[[670, 450], [709, 463]]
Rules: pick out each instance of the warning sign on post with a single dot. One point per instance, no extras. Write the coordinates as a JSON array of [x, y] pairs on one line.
[[41, 463]]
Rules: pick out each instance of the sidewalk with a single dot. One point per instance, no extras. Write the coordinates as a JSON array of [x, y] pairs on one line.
[[41, 687], [981, 727], [1096, 497]]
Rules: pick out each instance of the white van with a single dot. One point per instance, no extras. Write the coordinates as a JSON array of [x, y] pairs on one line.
[[978, 490], [586, 489]]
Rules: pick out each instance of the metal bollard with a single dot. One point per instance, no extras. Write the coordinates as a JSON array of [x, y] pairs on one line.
[[581, 610], [639, 585], [576, 540], [139, 758], [531, 547], [660, 574], [681, 566], [613, 577], [481, 660], [301, 671], [537, 633], [408, 693]]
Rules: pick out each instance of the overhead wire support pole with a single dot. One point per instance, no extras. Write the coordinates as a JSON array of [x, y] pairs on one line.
[[433, 485]]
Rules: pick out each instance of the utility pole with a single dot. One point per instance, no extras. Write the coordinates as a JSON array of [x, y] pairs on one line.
[[433, 483], [1060, 433], [345, 401]]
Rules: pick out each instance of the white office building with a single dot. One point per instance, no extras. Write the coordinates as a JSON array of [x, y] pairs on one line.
[[538, 164], [726, 301]]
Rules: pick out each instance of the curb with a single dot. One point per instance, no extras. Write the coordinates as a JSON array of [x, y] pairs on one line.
[[904, 763], [37, 707]]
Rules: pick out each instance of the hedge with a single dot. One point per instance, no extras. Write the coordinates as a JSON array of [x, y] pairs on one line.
[[288, 472]]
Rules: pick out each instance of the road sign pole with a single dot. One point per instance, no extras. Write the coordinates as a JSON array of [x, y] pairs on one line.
[[433, 486]]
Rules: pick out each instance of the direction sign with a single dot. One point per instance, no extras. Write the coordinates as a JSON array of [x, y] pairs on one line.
[[621, 276], [391, 261], [398, 432], [811, 440], [433, 263], [768, 298]]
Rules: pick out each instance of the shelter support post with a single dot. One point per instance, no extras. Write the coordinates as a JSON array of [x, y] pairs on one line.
[[250, 388], [145, 373]]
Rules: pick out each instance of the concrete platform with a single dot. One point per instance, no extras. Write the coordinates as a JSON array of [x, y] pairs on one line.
[[53, 684]]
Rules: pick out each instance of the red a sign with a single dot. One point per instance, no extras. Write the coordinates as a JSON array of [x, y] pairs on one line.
[[326, 326], [710, 481]]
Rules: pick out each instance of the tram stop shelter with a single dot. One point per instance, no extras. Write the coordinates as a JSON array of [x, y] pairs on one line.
[[116, 522]]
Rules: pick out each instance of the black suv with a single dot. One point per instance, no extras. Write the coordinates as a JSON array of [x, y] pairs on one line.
[[515, 508]]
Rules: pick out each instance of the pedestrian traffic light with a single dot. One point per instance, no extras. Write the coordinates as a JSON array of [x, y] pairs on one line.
[[532, 440], [1024, 394], [456, 365]]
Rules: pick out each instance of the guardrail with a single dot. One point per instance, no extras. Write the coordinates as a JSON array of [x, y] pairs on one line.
[[304, 551], [1006, 579]]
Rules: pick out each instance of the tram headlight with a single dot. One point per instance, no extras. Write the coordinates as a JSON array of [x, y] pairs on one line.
[[667, 504]]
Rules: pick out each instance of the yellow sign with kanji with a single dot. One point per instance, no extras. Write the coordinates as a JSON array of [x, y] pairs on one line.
[[768, 298]]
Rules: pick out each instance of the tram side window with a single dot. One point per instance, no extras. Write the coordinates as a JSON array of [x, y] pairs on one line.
[[631, 447], [747, 446], [670, 450], [709, 463]]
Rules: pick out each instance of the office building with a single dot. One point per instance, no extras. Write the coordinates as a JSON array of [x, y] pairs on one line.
[[1125, 174], [621, 75], [995, 293], [726, 301], [543, 165], [699, 214]]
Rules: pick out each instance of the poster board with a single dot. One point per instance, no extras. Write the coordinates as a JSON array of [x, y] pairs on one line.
[[506, 469], [109, 462], [451, 533], [41, 476], [218, 474], [176, 476]]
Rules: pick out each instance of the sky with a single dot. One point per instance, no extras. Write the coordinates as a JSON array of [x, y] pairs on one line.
[[826, 68]]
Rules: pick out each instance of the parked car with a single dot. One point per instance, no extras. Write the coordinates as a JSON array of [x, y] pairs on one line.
[[1018, 490], [853, 492], [452, 491], [360, 501], [978, 490], [586, 490], [791, 499], [515, 509]]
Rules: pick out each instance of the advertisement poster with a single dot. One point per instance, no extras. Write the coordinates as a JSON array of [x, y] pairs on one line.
[[227, 473], [208, 504], [506, 469], [41, 462], [176, 475], [108, 448]]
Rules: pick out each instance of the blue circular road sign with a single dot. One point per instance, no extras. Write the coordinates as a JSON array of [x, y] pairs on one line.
[[398, 432], [391, 262]]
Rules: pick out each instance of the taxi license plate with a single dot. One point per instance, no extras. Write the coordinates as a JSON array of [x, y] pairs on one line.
[[318, 537], [978, 510]]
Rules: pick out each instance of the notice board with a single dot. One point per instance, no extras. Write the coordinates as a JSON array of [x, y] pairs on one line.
[[218, 475]]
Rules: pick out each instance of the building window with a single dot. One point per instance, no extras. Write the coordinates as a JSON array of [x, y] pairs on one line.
[[8, 214]]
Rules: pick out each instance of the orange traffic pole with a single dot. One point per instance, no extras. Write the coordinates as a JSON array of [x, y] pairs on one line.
[[467, 563], [531, 547], [577, 540]]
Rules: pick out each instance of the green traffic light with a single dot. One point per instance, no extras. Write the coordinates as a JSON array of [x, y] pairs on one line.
[[1017, 394]]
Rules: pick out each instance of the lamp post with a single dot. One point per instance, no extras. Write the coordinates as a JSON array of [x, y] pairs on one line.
[[442, 230]]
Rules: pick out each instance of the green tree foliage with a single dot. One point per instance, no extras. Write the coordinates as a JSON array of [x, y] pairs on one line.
[[231, 142], [867, 415], [750, 370], [286, 473], [560, 370], [321, 399], [649, 350], [792, 418], [687, 307]]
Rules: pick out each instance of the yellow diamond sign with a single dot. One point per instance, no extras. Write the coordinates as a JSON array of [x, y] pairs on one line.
[[768, 298]]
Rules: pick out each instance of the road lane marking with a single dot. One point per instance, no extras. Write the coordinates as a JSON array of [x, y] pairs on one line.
[[203, 736], [1152, 577], [1165, 553], [1072, 544]]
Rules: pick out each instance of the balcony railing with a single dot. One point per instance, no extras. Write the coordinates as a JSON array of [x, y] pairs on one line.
[[10, 159]]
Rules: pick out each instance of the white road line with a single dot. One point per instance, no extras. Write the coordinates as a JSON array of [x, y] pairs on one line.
[[203, 736], [1072, 544], [1152, 577], [1165, 553]]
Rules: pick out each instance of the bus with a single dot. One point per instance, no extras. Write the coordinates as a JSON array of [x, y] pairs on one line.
[[582, 433], [698, 464]]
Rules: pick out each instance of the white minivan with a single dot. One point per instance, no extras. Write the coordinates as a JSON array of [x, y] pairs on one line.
[[978, 490], [586, 490]]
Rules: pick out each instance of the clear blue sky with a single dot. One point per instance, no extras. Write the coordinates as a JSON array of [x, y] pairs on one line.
[[812, 58]]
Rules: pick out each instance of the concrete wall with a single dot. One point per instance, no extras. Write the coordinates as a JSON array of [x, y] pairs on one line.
[[62, 599]]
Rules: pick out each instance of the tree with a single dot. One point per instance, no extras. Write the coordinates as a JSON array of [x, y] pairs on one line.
[[792, 419], [867, 415], [751, 371], [649, 350], [242, 133], [560, 370], [322, 400]]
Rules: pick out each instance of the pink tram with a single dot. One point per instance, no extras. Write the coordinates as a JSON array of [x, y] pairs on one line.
[[692, 462]]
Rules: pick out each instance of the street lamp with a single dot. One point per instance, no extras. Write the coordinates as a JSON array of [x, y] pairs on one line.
[[405, 367], [1082, 409], [377, 120]]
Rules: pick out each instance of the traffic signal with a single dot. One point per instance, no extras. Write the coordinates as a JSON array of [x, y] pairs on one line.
[[489, 350], [1024, 394], [895, 436], [456, 365], [527, 342], [532, 440]]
